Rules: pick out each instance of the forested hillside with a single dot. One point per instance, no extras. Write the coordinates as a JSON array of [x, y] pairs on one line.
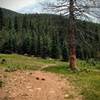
[[45, 35]]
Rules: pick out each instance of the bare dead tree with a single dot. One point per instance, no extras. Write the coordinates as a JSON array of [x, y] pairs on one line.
[[74, 9]]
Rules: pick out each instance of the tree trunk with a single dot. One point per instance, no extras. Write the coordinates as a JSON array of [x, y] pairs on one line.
[[72, 41]]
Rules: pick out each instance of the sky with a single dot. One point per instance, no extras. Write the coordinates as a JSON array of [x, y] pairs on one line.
[[18, 4], [30, 6]]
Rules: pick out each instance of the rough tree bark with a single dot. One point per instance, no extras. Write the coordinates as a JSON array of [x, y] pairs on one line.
[[72, 32]]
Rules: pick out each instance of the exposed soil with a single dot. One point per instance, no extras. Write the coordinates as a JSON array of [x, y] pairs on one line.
[[36, 85]]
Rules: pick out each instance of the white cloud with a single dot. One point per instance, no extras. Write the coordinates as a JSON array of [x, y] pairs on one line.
[[17, 4]]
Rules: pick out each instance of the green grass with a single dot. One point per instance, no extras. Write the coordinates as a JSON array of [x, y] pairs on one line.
[[88, 79], [14, 61]]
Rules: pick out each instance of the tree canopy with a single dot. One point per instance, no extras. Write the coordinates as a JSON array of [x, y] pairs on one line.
[[46, 35]]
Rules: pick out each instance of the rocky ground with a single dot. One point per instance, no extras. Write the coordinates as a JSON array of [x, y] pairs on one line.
[[36, 85]]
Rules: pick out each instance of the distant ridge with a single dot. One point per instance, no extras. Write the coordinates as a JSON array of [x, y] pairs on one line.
[[8, 12], [11, 13]]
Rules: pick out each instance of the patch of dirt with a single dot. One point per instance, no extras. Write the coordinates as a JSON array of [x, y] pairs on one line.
[[48, 65], [36, 85]]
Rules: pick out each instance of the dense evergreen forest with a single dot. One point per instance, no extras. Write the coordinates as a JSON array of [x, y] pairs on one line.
[[45, 35]]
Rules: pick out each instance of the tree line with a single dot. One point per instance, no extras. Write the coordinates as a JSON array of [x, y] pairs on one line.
[[45, 35]]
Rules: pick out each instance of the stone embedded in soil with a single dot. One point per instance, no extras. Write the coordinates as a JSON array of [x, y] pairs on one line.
[[37, 78], [38, 89], [25, 94], [43, 79], [66, 95], [31, 90], [28, 87], [52, 91]]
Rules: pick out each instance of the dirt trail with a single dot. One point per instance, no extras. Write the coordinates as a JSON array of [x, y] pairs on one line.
[[47, 65], [36, 85]]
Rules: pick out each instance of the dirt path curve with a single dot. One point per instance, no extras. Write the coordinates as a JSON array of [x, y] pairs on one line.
[[37, 85]]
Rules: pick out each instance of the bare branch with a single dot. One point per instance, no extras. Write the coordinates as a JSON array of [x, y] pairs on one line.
[[82, 8]]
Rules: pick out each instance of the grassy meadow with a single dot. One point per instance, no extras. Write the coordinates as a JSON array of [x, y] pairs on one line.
[[87, 79]]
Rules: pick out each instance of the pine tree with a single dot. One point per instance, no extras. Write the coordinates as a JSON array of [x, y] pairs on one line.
[[16, 24], [1, 19]]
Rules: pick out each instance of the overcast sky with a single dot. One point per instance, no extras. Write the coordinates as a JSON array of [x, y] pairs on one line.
[[28, 6], [18, 4]]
